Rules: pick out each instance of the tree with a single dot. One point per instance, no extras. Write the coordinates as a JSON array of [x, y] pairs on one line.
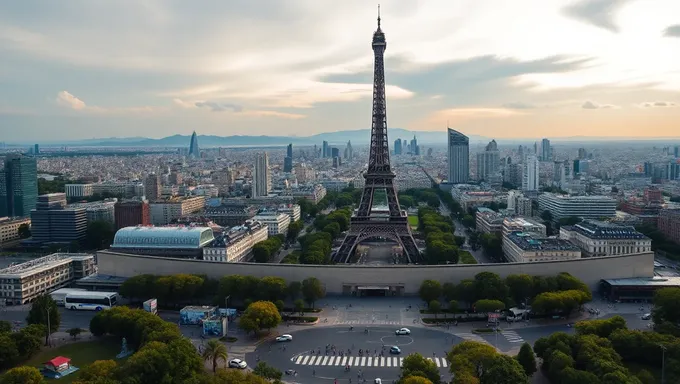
[[312, 290], [430, 290], [279, 305], [262, 313], [140, 287], [74, 332], [469, 221], [100, 369], [261, 252], [416, 365], [526, 359], [294, 289], [215, 351], [503, 369], [435, 307], [28, 340], [484, 306], [266, 371], [666, 306], [521, 287], [294, 230], [415, 380], [489, 285], [24, 231], [299, 306], [8, 351], [43, 311], [453, 306], [99, 234], [22, 375], [5, 326], [601, 328]]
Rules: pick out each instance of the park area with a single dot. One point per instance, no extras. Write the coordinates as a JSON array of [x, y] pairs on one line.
[[413, 221], [81, 354]]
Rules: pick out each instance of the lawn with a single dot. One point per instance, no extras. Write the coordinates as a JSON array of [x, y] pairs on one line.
[[81, 354], [413, 221], [465, 257]]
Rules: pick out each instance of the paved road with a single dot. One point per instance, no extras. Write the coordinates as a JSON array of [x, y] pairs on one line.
[[322, 367]]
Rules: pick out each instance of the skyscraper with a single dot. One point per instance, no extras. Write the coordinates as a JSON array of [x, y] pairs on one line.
[[325, 151], [414, 146], [459, 157], [488, 161], [350, 151], [152, 187], [36, 149], [288, 160], [193, 146], [559, 173], [261, 176], [530, 174], [397, 147], [18, 185], [546, 151]]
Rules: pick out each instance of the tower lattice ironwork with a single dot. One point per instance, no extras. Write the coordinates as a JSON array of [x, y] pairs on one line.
[[379, 176]]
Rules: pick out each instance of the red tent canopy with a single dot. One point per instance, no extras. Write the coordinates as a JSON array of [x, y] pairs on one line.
[[57, 361]]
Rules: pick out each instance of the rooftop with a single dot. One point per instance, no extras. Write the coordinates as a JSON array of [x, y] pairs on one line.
[[521, 222], [163, 237], [529, 242], [41, 263], [603, 230], [672, 281]]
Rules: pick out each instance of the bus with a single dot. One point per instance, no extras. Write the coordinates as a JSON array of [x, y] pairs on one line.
[[91, 301], [60, 294]]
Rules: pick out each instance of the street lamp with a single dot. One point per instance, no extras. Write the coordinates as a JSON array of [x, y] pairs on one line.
[[663, 363]]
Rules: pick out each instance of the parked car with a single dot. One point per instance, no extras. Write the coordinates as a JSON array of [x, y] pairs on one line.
[[237, 363], [646, 316], [395, 350], [403, 331], [284, 338]]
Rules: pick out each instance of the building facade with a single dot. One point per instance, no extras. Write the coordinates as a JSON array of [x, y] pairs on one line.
[[18, 185], [99, 210], [165, 211], [152, 187], [522, 224], [131, 213], [54, 222], [488, 221], [597, 238], [488, 161], [261, 176], [9, 228], [669, 224], [230, 215], [530, 174], [520, 247], [277, 223], [75, 191], [20, 284], [459, 157], [292, 210], [586, 207], [236, 245], [180, 241]]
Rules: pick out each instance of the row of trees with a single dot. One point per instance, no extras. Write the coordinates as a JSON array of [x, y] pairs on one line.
[[440, 242], [411, 197], [265, 251], [16, 347], [552, 294]]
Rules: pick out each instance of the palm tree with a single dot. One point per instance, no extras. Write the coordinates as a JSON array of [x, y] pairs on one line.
[[215, 351]]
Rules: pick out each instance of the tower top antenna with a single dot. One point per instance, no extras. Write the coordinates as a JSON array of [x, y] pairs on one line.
[[378, 16]]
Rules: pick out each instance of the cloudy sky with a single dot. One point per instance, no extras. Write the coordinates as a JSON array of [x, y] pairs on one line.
[[497, 68]]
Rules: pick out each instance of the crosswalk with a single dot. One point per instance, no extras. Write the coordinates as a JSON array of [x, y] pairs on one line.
[[360, 361], [368, 322], [512, 336]]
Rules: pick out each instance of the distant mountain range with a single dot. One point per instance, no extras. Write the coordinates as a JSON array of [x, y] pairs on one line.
[[358, 137]]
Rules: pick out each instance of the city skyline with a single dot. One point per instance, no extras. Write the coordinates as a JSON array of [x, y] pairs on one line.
[[597, 68]]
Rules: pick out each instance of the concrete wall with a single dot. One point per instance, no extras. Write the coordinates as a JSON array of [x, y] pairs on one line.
[[410, 277]]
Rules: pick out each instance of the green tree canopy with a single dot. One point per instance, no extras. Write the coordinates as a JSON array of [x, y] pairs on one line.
[[215, 351], [263, 313], [22, 375], [99, 234], [430, 290], [527, 359], [43, 311], [312, 290], [417, 365]]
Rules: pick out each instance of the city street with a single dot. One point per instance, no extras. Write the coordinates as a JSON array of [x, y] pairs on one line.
[[460, 231]]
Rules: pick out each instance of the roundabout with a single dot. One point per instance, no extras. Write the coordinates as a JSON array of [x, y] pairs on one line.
[[323, 355]]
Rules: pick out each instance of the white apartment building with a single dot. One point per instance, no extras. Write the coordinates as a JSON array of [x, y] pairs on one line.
[[127, 189], [522, 224], [78, 190], [598, 238], [530, 174], [9, 228], [586, 207], [236, 245], [164, 211], [488, 221], [277, 223], [312, 193], [522, 247], [262, 183], [20, 284], [292, 210]]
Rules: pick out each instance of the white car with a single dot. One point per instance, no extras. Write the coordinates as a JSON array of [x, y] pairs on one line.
[[237, 363], [284, 338], [403, 331]]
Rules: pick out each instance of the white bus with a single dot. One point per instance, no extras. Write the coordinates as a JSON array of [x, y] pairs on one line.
[[60, 294], [92, 301]]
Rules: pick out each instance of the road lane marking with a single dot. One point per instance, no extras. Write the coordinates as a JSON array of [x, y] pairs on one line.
[[297, 360], [344, 360]]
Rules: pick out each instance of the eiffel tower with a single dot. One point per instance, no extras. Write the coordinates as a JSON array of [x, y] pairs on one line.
[[379, 176]]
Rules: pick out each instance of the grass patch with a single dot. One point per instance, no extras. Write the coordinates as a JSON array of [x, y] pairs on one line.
[[81, 354], [413, 221], [465, 257]]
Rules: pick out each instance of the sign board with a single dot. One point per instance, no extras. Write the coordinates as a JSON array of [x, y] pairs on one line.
[[494, 315], [151, 305]]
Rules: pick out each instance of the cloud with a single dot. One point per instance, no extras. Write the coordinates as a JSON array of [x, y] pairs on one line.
[[518, 105], [658, 104], [599, 13], [66, 99], [672, 31], [218, 107], [592, 105]]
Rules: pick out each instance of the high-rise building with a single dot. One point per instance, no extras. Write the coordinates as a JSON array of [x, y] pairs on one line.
[[53, 221], [582, 154], [288, 160], [289, 150], [546, 151], [335, 152], [559, 173], [325, 151], [488, 161], [414, 146], [397, 147], [18, 185], [36, 149], [131, 213], [152, 187], [261, 176], [459, 157], [350, 151], [577, 167], [193, 146], [530, 174]]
